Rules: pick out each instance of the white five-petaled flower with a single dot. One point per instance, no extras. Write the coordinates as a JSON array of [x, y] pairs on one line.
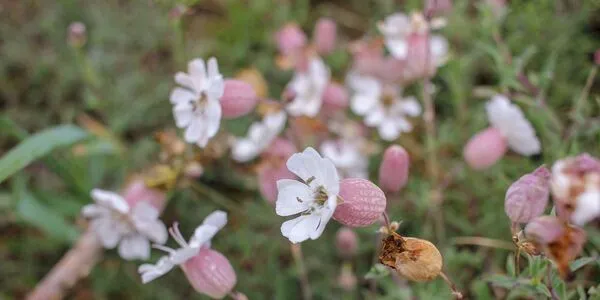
[[201, 238], [314, 198], [115, 222], [382, 105], [402, 32], [308, 88], [509, 119], [260, 135], [196, 105], [347, 157]]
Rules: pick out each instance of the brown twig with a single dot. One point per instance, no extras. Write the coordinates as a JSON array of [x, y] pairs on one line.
[[455, 292], [75, 264]]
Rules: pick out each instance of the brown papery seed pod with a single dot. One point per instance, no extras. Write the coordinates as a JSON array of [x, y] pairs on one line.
[[413, 258]]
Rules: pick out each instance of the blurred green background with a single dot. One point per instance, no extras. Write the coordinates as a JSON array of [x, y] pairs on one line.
[[122, 77]]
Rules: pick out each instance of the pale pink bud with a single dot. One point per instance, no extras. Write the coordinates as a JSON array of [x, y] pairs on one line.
[[280, 148], [290, 39], [597, 57], [76, 36], [335, 97], [324, 35], [210, 273], [239, 98], [275, 169], [527, 197], [419, 57], [137, 191], [346, 242], [393, 171], [485, 149], [363, 203], [437, 7]]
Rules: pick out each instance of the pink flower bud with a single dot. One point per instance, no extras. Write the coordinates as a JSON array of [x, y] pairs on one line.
[[346, 242], [363, 203], [238, 98], [280, 148], [419, 57], [347, 280], [597, 57], [137, 191], [485, 149], [324, 35], [393, 171], [335, 97], [527, 197], [290, 39], [210, 273], [437, 7], [274, 169], [76, 36]]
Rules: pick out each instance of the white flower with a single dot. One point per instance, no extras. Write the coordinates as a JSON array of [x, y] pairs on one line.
[[314, 198], [347, 157], [260, 135], [196, 105], [588, 206], [382, 106], [115, 223], [509, 119], [308, 88], [201, 238]]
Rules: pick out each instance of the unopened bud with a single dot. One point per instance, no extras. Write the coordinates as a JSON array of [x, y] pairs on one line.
[[325, 35], [210, 273], [413, 258], [290, 39], [485, 149], [335, 97], [238, 98], [363, 203], [346, 242], [437, 7], [527, 197], [76, 36], [597, 57], [137, 191], [393, 171]]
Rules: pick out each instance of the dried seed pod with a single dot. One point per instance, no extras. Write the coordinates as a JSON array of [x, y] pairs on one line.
[[415, 259], [527, 197], [363, 203]]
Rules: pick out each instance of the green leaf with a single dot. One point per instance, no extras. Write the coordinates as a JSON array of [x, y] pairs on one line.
[[542, 289], [39, 215], [502, 281], [37, 146], [579, 263]]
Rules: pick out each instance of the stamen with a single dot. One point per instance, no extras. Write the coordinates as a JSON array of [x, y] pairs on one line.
[[309, 180], [176, 234], [299, 200]]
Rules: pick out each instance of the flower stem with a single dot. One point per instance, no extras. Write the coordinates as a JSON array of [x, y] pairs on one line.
[[215, 196], [296, 250], [74, 265], [455, 292]]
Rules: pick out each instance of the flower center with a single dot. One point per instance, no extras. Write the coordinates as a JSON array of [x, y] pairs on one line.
[[388, 99], [199, 104]]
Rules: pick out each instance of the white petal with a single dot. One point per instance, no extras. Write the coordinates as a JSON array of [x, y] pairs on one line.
[[365, 85], [363, 103], [107, 232], [213, 68], [182, 255], [397, 47], [411, 106], [194, 130], [110, 200], [306, 165], [186, 81], [244, 150], [388, 130], [179, 95], [217, 219], [134, 247], [510, 120], [150, 272], [331, 180], [439, 49], [375, 116], [288, 193], [213, 118], [323, 220], [587, 208], [94, 211], [183, 114], [301, 228], [216, 88], [203, 234]]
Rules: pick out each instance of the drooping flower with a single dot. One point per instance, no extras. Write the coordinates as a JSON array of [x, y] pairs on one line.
[[382, 105], [308, 88], [260, 135], [576, 188], [314, 197], [347, 158], [201, 239], [527, 197], [115, 222], [196, 105]]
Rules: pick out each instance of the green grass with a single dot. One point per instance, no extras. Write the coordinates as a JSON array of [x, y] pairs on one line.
[[122, 78]]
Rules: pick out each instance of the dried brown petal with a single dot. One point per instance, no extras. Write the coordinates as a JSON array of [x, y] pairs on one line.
[[415, 259]]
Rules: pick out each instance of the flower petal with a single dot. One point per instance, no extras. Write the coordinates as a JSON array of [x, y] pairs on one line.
[[306, 165], [150, 272], [301, 228], [289, 191], [107, 232], [217, 219], [134, 247], [94, 211], [183, 114], [181, 95], [110, 200], [203, 234], [194, 131]]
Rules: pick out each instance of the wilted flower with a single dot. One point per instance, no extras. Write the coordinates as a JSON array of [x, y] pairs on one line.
[[362, 203], [201, 239], [324, 35], [393, 171], [239, 98], [413, 258], [576, 188], [382, 105], [260, 136], [560, 241], [308, 88], [347, 158], [196, 102], [114, 221], [527, 197], [485, 148], [314, 198], [346, 242]]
